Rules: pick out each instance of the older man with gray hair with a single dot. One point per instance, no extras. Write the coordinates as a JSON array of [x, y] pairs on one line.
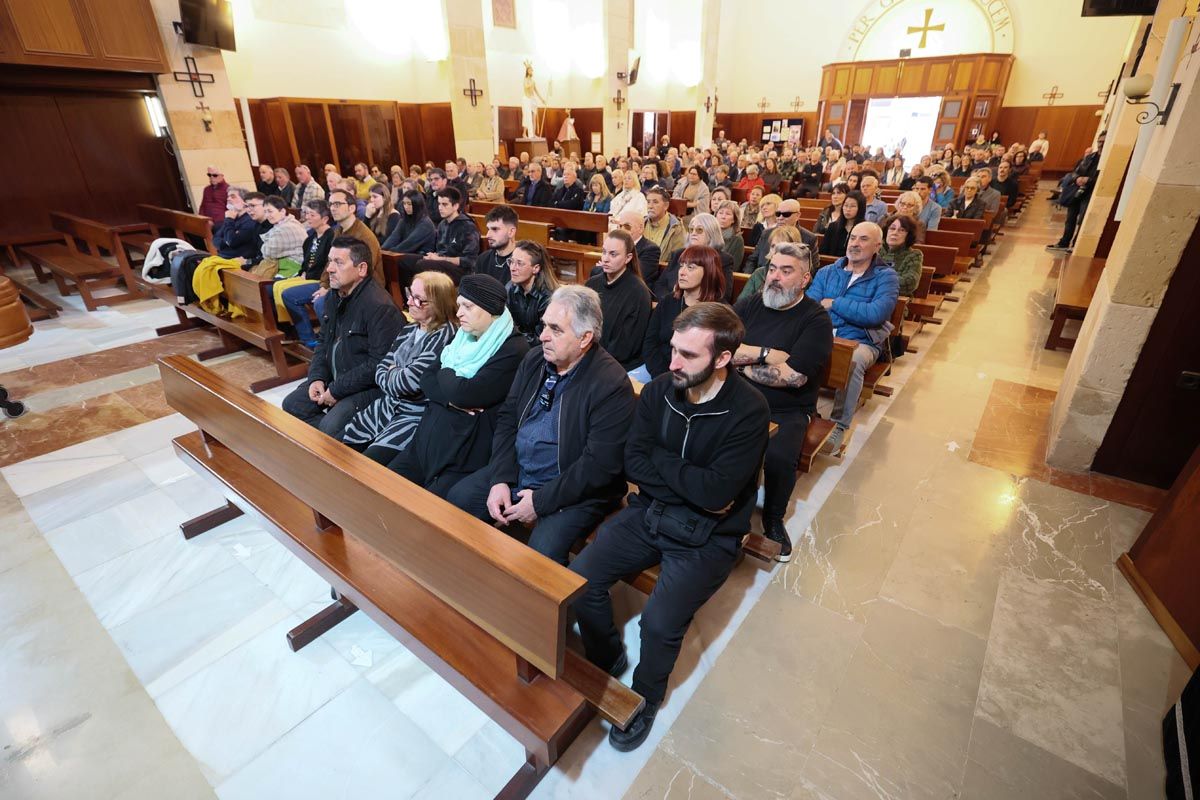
[[788, 342], [558, 450]]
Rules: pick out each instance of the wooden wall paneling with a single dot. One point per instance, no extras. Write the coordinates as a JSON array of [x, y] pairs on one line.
[[863, 76], [964, 74], [989, 75], [33, 127], [912, 78], [508, 122], [126, 32], [282, 145], [841, 81], [937, 78], [1069, 128], [262, 135], [348, 136], [683, 127], [1017, 124], [410, 130], [552, 120], [587, 122], [642, 139], [855, 121], [48, 27], [826, 83], [437, 132], [887, 79], [310, 135], [123, 162]]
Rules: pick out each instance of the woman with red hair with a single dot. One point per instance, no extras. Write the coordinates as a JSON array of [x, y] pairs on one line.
[[701, 279]]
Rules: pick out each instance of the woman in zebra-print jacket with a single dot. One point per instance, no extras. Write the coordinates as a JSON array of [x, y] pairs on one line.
[[383, 429]]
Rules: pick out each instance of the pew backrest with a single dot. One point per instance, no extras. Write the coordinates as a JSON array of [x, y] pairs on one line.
[[588, 221], [507, 589], [526, 229], [180, 223]]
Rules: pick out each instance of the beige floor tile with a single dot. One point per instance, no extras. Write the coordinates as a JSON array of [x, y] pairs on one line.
[[666, 777], [751, 723], [1002, 766], [841, 560], [902, 717], [1052, 674]]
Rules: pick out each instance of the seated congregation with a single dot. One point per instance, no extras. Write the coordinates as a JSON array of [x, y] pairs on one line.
[[622, 419]]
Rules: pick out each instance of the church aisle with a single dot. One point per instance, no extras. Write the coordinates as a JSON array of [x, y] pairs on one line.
[[945, 628]]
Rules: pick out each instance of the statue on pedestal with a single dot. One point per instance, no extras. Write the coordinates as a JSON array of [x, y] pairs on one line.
[[532, 103]]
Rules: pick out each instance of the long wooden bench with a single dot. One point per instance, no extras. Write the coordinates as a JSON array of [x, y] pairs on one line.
[[1078, 277], [482, 610], [944, 261], [77, 263], [38, 306]]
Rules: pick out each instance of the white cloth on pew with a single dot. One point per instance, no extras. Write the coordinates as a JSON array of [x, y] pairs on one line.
[[155, 256]]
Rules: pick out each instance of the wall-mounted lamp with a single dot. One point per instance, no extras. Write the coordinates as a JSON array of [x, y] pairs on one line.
[[1137, 89]]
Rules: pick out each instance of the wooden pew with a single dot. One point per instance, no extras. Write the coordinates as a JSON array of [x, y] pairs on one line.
[[259, 327], [921, 308], [584, 256], [882, 368], [482, 610], [526, 229], [1078, 278], [587, 221], [83, 269], [678, 207], [943, 261], [37, 305], [167, 222], [975, 227]]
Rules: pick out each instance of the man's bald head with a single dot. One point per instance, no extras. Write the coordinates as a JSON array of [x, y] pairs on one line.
[[789, 206], [633, 222], [863, 244]]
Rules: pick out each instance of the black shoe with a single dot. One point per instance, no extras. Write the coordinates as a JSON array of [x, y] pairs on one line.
[[639, 728], [773, 529], [620, 665]]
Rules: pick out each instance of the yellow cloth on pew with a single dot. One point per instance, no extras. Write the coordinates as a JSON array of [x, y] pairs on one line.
[[206, 283], [277, 291]]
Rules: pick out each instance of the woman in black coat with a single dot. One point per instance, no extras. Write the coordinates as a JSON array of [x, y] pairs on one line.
[[854, 210], [415, 232]]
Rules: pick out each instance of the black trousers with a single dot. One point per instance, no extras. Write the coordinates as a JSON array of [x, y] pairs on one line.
[[412, 265], [1074, 213], [408, 464], [330, 420], [781, 461], [688, 577], [552, 535]]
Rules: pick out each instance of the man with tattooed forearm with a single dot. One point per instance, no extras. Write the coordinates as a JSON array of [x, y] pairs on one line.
[[789, 339]]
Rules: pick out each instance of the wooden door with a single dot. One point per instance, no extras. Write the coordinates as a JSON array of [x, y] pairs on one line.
[[1157, 424], [949, 124]]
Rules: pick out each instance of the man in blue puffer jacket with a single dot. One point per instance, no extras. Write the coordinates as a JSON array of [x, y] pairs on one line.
[[859, 294]]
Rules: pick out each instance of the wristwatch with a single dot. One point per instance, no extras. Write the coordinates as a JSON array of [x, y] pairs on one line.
[[762, 355]]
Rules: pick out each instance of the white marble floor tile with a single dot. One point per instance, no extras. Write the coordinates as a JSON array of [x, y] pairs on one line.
[[86, 495], [232, 710], [1051, 674], [358, 745], [125, 586], [490, 756], [163, 466], [452, 781], [297, 586], [195, 495], [433, 704], [361, 642], [144, 439], [51, 469], [92, 540], [170, 641]]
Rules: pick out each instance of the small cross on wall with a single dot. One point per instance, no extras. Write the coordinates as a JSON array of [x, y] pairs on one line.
[[619, 100], [797, 103], [1052, 95], [473, 93], [762, 105]]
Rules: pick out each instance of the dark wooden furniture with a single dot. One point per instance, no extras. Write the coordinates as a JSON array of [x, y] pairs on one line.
[[585, 221], [1078, 277], [484, 611], [1164, 562], [76, 263], [91, 34]]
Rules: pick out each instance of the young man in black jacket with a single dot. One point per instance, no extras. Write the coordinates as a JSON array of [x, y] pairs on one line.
[[695, 449], [457, 244], [557, 453], [624, 298], [360, 323], [789, 340]]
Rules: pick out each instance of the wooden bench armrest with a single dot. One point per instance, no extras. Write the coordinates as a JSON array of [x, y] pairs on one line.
[[613, 700]]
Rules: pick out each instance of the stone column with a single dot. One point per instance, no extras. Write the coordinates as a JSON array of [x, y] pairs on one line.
[[709, 25], [617, 20], [1159, 220], [1122, 130], [196, 148], [474, 135]]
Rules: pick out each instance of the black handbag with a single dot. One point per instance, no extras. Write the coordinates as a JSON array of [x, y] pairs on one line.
[[680, 523]]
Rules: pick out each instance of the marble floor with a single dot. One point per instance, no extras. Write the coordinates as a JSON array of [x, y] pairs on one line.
[[951, 626]]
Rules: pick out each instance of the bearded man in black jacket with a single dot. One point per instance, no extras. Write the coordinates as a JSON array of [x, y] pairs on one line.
[[557, 453], [695, 451]]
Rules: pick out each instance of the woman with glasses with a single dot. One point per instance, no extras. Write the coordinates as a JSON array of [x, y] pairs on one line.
[[909, 204], [732, 242], [491, 188], [968, 205], [853, 211], [700, 279], [530, 288], [415, 233], [832, 212], [703, 231], [465, 390], [899, 236], [383, 429]]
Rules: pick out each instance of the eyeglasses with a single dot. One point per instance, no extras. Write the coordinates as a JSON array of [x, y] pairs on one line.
[[336, 203], [214, 174], [413, 300], [786, 213], [546, 398]]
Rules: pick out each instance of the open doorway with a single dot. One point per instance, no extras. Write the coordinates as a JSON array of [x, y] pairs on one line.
[[904, 123]]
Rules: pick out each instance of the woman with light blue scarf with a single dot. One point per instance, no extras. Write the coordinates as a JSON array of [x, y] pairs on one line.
[[465, 393]]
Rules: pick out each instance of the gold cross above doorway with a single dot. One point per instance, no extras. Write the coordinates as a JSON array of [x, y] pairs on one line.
[[926, 28]]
